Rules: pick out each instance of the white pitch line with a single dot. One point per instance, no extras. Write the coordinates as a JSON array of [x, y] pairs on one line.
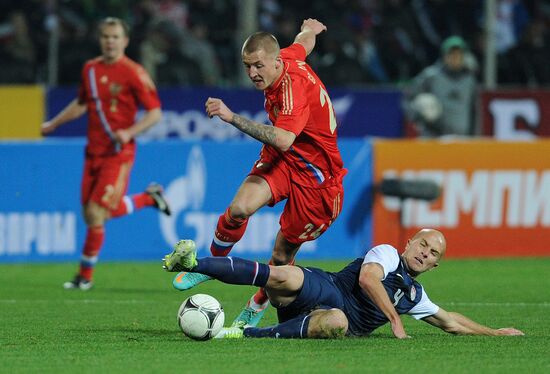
[[83, 301], [544, 304], [519, 304]]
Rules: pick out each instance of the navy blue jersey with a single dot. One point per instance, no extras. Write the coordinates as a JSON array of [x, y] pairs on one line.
[[405, 293]]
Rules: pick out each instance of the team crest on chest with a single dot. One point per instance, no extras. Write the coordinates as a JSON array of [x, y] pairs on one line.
[[275, 111], [115, 88], [413, 293]]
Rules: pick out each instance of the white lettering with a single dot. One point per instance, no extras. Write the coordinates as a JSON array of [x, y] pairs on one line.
[[537, 207], [45, 233], [194, 124], [507, 111], [514, 198]]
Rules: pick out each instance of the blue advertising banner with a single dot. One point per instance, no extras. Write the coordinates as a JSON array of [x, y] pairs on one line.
[[360, 113], [40, 215]]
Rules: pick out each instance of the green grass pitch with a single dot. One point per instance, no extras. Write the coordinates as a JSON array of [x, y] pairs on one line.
[[127, 324]]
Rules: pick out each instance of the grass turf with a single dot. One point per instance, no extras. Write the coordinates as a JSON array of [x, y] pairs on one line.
[[128, 324]]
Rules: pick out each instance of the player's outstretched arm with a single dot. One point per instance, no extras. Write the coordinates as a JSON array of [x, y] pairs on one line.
[[150, 118], [370, 280], [274, 136], [456, 323], [72, 111], [308, 33]]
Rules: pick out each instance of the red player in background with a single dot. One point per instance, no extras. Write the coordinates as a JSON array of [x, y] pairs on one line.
[[299, 162], [112, 87]]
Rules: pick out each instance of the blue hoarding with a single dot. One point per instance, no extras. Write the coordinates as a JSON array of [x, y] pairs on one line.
[[40, 218], [360, 113]]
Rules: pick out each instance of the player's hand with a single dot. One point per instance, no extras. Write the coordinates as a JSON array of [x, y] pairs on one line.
[[47, 128], [510, 331], [216, 107], [399, 331], [123, 136], [313, 25]]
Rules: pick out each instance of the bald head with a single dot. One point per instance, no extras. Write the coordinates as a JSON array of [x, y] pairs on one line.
[[424, 250], [434, 236], [261, 41]]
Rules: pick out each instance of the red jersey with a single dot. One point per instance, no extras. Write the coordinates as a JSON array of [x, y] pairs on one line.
[[112, 93], [298, 102]]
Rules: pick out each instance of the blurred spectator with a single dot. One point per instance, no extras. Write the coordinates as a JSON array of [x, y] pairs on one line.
[[441, 99], [17, 51], [533, 54], [372, 41], [161, 54]]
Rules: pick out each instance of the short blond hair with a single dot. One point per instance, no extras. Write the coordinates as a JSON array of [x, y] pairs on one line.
[[114, 21], [261, 40]]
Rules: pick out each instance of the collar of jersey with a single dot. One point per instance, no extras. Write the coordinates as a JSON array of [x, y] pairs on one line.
[[277, 83]]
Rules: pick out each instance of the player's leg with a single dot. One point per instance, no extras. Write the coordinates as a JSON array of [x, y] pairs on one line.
[[253, 194], [128, 204], [254, 310], [283, 282], [95, 217], [104, 183], [151, 197], [307, 214], [319, 324], [295, 320], [95, 232]]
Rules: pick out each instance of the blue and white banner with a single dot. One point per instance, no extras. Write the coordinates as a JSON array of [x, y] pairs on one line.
[[360, 113], [40, 214]]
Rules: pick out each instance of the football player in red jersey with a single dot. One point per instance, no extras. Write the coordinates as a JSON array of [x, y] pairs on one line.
[[299, 162], [112, 87]]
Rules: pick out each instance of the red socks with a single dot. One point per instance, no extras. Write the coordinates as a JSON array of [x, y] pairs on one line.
[[228, 232], [94, 241], [129, 204]]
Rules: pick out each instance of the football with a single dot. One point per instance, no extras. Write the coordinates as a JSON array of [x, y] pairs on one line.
[[201, 317]]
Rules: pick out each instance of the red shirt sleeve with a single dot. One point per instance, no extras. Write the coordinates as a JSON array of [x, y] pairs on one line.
[[294, 52], [144, 89], [293, 105]]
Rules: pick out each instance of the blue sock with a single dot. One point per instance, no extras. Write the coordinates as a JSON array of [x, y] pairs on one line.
[[233, 270], [295, 328]]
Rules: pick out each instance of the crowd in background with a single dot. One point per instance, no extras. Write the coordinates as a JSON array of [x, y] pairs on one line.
[[195, 42]]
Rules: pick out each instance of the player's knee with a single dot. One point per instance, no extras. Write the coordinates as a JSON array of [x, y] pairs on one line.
[[277, 276], [328, 324], [238, 211], [94, 214], [279, 259]]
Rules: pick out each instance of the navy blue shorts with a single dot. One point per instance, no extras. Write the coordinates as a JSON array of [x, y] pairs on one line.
[[318, 292]]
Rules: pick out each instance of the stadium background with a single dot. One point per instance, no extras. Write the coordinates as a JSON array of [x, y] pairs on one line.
[[495, 197]]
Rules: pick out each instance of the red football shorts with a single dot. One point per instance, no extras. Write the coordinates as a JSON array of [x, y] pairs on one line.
[[105, 179], [308, 211]]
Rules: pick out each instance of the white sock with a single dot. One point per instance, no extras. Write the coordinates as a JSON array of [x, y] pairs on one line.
[[253, 305]]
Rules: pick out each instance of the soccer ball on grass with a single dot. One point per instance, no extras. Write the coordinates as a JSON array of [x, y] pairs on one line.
[[201, 317]]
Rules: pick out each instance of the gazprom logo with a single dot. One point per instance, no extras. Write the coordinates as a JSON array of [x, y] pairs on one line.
[[187, 195]]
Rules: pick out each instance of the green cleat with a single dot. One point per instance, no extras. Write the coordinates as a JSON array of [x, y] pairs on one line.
[[249, 317], [182, 258], [230, 333], [187, 280]]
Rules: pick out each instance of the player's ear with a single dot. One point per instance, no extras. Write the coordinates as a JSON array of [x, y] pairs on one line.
[[278, 62]]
